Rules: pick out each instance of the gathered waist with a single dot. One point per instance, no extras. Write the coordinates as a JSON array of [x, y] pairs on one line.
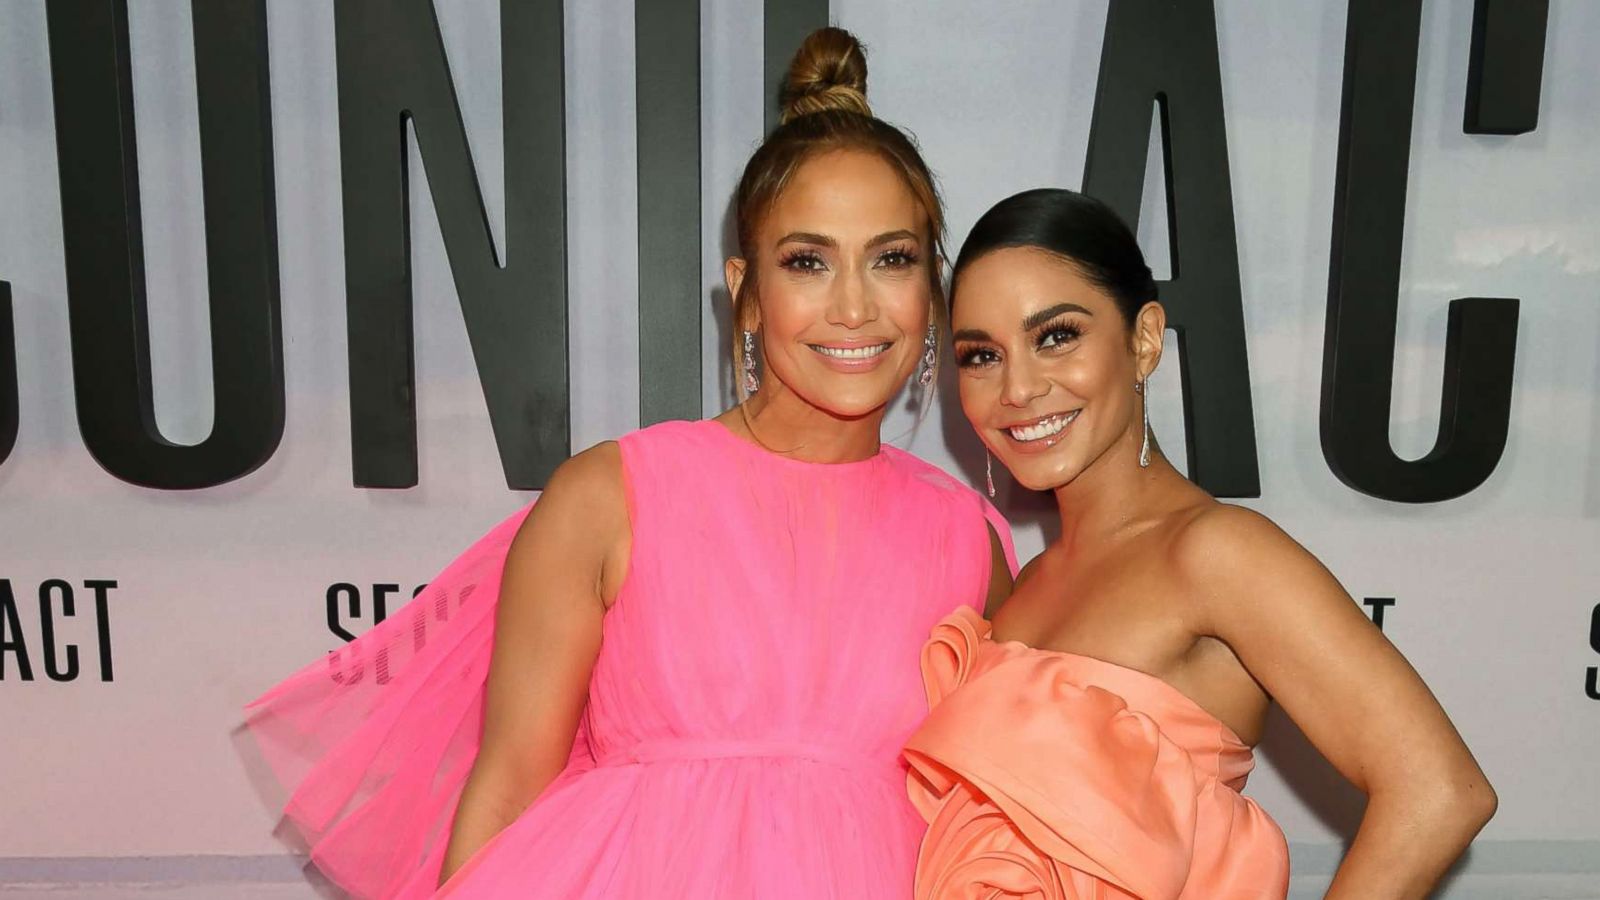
[[665, 750]]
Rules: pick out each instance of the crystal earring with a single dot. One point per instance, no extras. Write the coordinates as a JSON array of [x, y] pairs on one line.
[[751, 382], [988, 472], [1144, 401], [930, 356]]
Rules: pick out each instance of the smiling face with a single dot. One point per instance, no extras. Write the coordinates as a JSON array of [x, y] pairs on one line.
[[842, 279], [1048, 365]]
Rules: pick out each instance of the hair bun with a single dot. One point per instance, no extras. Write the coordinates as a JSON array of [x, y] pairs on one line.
[[829, 73]]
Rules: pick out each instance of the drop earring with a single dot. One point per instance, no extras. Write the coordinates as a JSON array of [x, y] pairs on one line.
[[988, 472], [1141, 388], [751, 382], [930, 356]]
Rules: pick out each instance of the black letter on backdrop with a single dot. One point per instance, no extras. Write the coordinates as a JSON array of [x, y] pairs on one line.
[[11, 639], [47, 630], [1377, 605], [667, 79], [102, 621], [1380, 83], [1167, 53], [1592, 679], [352, 595], [8, 375], [392, 70], [380, 601], [95, 147], [784, 27], [1506, 66]]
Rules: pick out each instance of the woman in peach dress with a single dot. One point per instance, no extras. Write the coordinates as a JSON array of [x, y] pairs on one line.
[[1092, 741]]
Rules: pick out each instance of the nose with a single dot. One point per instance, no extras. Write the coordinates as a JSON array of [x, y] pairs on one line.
[[850, 303], [1022, 382]]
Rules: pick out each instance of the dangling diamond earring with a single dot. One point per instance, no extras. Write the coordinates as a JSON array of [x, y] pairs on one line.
[[751, 382], [1144, 400], [988, 472], [930, 356]]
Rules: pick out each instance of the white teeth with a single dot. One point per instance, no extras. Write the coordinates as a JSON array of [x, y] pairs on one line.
[[1038, 431], [850, 352]]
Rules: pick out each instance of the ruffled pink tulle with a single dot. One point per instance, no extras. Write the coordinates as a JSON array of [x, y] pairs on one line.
[[757, 678], [377, 739]]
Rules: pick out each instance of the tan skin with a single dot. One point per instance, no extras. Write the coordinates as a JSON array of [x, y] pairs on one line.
[[842, 260], [1151, 573]]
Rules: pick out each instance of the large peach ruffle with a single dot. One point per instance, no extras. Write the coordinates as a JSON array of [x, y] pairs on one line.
[[1055, 776]]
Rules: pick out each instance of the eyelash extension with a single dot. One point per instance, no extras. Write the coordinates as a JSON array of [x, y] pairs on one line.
[[908, 255], [790, 257], [968, 357], [1062, 326]]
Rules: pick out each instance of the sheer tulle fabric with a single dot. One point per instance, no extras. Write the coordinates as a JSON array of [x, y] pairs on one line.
[[756, 681], [375, 741], [1052, 776]]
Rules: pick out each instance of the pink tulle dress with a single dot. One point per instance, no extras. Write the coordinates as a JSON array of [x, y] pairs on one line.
[[757, 678]]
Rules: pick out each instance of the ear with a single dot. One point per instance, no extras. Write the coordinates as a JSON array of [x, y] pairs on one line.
[[733, 269], [1149, 336]]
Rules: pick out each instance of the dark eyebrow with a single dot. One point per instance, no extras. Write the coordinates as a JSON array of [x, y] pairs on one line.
[[1045, 315], [887, 236], [971, 334], [807, 237], [811, 237]]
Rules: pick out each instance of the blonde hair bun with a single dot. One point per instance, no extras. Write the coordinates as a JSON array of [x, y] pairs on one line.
[[829, 74]]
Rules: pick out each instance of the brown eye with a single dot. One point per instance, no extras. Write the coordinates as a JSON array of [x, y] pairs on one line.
[[898, 258], [977, 358], [1058, 336], [801, 261]]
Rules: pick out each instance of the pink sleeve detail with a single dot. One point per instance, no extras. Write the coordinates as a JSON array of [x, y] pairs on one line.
[[374, 741], [1002, 528]]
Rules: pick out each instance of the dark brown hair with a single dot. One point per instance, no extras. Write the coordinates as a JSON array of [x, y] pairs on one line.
[[824, 109], [1071, 226]]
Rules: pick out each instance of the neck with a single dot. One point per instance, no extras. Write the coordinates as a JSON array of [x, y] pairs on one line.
[[784, 423], [1111, 494]]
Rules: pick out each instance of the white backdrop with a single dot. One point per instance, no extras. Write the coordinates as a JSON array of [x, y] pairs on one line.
[[221, 591]]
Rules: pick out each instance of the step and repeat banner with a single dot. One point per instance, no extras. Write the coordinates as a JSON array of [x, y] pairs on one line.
[[298, 298]]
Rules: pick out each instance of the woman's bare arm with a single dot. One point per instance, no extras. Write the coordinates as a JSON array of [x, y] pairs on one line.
[[564, 563], [1352, 694]]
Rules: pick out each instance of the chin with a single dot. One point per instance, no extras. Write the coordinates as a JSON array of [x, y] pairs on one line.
[[851, 407], [1042, 478], [852, 401]]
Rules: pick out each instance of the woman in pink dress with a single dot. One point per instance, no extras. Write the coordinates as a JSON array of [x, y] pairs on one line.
[[688, 671], [1092, 741]]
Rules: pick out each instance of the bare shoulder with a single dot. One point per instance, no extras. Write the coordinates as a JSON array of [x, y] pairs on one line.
[[599, 466], [584, 498], [1220, 532], [1235, 555], [1222, 536], [1028, 570], [577, 535]]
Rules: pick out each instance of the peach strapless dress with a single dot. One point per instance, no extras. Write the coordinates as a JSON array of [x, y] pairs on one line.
[[1060, 777]]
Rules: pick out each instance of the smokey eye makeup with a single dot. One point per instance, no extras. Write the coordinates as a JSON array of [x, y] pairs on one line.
[[975, 356], [901, 257], [802, 260], [1056, 334]]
